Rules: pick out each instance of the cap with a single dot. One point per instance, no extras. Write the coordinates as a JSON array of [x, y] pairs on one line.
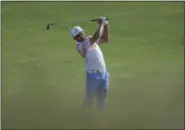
[[76, 30]]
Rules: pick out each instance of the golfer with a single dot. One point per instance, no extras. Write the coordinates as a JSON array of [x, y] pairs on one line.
[[97, 76]]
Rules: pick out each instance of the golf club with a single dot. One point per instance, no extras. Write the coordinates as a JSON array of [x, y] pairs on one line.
[[67, 23]]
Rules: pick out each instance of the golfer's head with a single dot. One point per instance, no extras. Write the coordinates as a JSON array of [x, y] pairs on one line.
[[78, 33]]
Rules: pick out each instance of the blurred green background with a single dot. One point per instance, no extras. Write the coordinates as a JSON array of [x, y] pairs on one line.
[[43, 77]]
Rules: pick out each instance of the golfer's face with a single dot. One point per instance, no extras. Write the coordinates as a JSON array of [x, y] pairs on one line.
[[79, 37]]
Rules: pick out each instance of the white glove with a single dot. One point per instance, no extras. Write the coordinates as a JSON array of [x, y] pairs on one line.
[[104, 19]]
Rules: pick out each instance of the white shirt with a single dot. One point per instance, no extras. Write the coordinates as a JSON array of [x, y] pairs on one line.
[[94, 59]]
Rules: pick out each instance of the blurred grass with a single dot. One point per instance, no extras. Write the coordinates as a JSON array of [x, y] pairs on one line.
[[43, 78]]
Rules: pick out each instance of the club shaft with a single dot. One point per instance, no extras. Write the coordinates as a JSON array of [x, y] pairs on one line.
[[74, 22]]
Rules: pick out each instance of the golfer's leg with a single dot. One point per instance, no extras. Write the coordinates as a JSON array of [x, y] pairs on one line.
[[102, 93], [91, 90]]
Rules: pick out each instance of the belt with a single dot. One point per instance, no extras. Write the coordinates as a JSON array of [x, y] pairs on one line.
[[95, 71]]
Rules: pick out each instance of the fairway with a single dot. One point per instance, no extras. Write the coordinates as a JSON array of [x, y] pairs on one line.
[[43, 76]]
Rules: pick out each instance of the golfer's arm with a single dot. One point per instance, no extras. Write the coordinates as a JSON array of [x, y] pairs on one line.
[[98, 34], [105, 37], [101, 34]]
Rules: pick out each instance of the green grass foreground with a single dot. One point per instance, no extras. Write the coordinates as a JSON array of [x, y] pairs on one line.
[[43, 77]]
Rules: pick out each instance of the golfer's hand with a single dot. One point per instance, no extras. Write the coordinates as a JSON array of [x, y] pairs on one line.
[[102, 20]]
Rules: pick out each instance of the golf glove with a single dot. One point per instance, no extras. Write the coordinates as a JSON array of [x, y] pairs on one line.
[[104, 19]]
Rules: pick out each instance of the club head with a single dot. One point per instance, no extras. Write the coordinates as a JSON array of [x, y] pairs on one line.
[[48, 26]]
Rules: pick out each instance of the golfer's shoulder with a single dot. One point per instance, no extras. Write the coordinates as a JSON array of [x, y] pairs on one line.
[[89, 37]]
